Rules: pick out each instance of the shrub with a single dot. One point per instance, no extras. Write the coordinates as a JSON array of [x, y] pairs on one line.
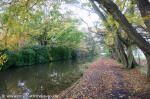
[[36, 54], [26, 57], [11, 58], [42, 54], [74, 54], [60, 53]]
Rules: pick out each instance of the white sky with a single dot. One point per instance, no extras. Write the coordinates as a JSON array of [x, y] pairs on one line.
[[89, 18], [82, 13]]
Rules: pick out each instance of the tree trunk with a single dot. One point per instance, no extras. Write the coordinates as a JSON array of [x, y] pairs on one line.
[[128, 44], [101, 15], [131, 61], [144, 7], [112, 52], [148, 66], [122, 55], [113, 9], [121, 52]]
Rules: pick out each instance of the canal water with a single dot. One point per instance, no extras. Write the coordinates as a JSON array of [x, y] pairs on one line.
[[43, 79]]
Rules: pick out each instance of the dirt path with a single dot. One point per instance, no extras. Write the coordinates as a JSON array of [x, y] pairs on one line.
[[104, 79]]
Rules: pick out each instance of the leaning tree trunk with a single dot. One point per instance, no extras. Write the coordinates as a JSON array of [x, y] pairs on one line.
[[115, 55], [113, 9], [122, 57], [121, 52], [144, 7], [131, 61], [148, 67], [130, 57]]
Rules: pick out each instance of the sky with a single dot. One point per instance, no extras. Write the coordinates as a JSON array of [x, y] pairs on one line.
[[79, 12]]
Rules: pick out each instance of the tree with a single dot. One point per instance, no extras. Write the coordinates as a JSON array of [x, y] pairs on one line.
[[113, 29], [14, 20], [41, 21], [144, 7], [113, 9], [55, 28]]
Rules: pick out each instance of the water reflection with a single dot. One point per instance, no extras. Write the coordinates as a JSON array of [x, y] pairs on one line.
[[45, 79]]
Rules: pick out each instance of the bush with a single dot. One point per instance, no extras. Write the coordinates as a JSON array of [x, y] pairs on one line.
[[42, 54], [74, 54], [26, 57], [36, 54], [11, 58], [60, 53]]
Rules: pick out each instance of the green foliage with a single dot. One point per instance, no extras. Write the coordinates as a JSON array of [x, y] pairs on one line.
[[74, 54], [42, 54], [26, 57], [3, 58], [70, 36], [55, 28], [60, 53], [36, 54], [35, 32], [11, 59], [45, 25]]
